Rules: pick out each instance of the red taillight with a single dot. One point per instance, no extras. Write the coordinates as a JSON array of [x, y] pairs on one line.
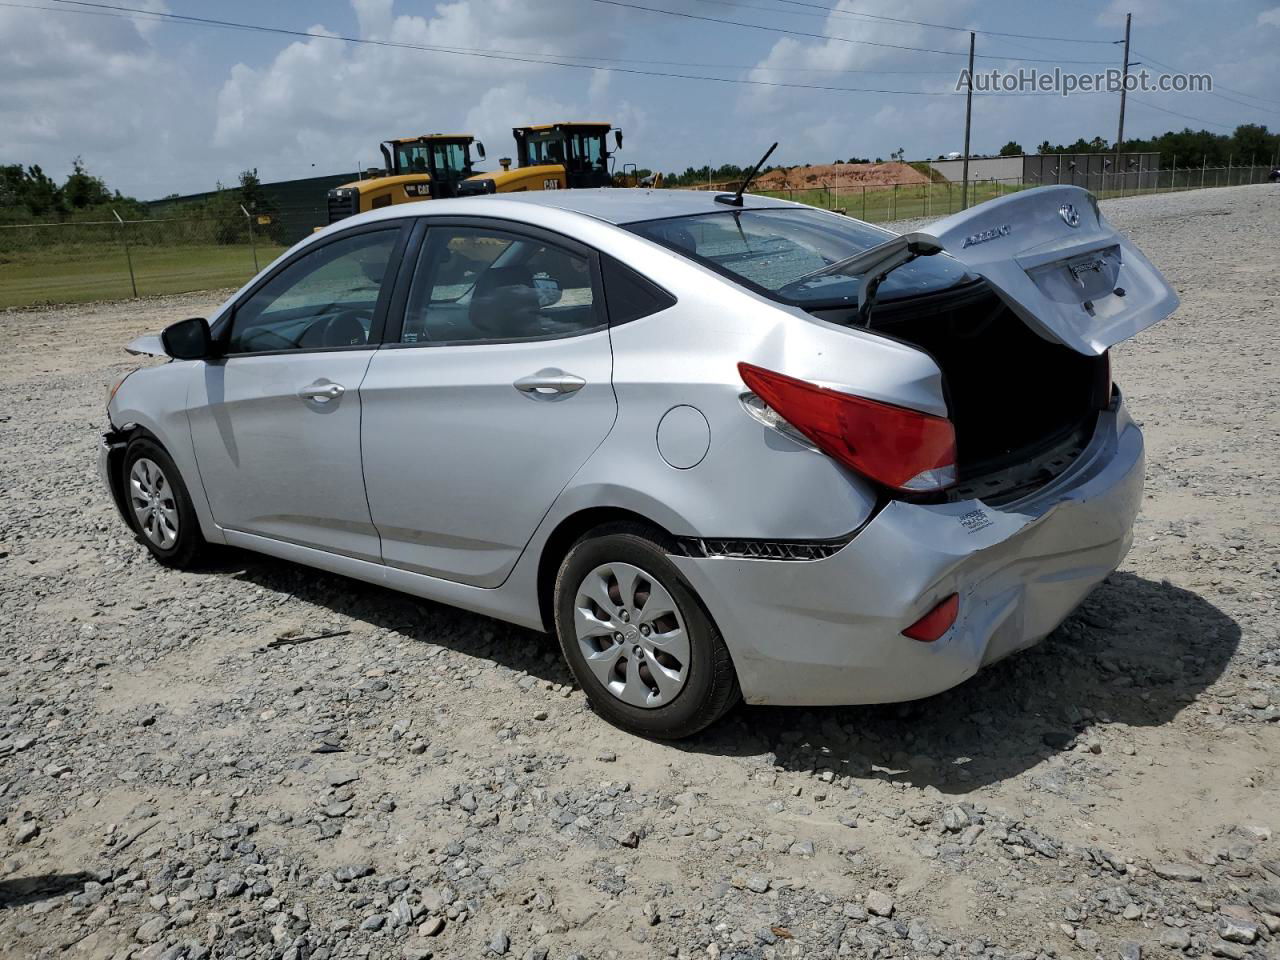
[[904, 449], [936, 622]]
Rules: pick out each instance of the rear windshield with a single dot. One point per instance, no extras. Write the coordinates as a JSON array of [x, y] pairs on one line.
[[772, 252]]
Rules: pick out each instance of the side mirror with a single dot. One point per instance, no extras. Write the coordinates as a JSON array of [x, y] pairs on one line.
[[480, 149], [549, 291], [188, 339], [617, 139]]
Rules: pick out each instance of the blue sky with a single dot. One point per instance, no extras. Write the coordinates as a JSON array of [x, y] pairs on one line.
[[159, 107]]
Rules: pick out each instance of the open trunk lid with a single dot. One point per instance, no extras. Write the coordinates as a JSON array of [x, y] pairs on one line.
[[1052, 257]]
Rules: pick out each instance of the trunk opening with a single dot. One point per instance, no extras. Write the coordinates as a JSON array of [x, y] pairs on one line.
[[1023, 408]]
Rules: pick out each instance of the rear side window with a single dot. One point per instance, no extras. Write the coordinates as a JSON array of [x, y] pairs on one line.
[[476, 284], [629, 295]]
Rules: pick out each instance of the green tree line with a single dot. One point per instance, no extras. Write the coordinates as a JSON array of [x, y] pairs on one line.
[[28, 194], [1248, 143], [30, 197]]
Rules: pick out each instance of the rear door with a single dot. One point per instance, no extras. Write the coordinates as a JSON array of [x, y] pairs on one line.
[[276, 420], [1059, 265], [493, 389]]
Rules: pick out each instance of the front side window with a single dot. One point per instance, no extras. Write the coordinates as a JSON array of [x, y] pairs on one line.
[[412, 158], [775, 251], [475, 284], [325, 298], [543, 148], [589, 150]]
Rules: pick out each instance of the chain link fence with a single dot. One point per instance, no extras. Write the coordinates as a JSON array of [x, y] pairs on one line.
[[82, 260], [122, 257], [881, 203]]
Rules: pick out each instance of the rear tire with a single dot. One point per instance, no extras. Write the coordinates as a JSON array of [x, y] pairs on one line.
[[637, 638], [159, 507]]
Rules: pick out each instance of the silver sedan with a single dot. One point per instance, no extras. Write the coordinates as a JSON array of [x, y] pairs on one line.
[[723, 447]]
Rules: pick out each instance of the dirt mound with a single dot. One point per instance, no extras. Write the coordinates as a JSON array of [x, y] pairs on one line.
[[839, 175]]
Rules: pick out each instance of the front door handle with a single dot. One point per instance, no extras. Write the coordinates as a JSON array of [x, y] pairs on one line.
[[549, 384], [322, 392]]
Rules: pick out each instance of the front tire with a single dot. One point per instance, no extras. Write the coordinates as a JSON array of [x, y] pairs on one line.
[[159, 506], [637, 638]]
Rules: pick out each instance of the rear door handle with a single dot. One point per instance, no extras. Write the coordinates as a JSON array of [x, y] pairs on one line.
[[549, 384], [322, 392]]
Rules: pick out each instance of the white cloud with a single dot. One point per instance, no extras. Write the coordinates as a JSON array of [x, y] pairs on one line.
[[1148, 13], [321, 99], [822, 126], [105, 87], [156, 108], [89, 85]]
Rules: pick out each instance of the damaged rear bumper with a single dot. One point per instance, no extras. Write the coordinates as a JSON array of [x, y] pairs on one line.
[[829, 631]]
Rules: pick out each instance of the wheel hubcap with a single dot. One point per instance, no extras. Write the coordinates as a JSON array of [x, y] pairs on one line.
[[632, 635], [153, 503]]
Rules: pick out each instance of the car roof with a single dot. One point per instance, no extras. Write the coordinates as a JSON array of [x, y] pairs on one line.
[[620, 205]]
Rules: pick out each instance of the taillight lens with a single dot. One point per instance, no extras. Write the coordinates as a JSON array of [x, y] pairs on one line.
[[900, 448]]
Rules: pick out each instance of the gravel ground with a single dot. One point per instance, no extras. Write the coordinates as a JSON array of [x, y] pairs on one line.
[[173, 783]]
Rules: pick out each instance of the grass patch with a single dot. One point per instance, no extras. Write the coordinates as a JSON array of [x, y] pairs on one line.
[[938, 199], [910, 201], [98, 272], [929, 170]]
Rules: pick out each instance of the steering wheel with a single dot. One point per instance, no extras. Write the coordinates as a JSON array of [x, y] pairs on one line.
[[256, 337], [321, 329]]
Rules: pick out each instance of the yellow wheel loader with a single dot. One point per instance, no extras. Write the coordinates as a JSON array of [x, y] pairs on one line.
[[557, 156], [417, 168]]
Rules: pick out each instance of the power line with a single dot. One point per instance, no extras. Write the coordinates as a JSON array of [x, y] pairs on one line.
[[821, 36], [105, 9], [488, 54], [1167, 66], [936, 26], [1185, 116], [546, 60], [153, 17]]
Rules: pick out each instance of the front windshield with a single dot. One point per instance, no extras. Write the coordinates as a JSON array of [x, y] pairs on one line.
[[774, 251]]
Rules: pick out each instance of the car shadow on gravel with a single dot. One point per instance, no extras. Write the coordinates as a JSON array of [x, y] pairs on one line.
[[19, 891], [412, 618], [1135, 653]]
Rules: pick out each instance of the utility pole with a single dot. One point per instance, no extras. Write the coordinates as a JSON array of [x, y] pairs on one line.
[[1124, 84], [968, 117]]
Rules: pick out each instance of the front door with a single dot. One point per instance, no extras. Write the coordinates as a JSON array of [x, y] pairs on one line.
[[276, 420], [497, 389]]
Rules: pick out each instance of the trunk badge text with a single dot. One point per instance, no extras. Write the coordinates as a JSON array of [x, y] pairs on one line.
[[1069, 215], [983, 236]]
